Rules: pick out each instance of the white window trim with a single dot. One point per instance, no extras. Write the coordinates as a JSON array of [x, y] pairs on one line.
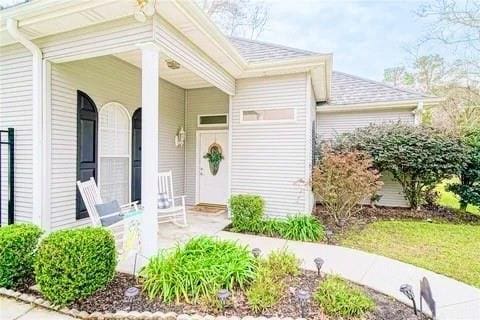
[[213, 125], [268, 121]]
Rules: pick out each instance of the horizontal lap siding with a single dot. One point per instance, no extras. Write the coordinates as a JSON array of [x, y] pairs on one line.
[[16, 112], [199, 102], [269, 159], [121, 34], [104, 79], [331, 124]]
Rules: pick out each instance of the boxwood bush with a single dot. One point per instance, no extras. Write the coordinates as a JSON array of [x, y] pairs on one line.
[[17, 250], [73, 264], [197, 270], [247, 212]]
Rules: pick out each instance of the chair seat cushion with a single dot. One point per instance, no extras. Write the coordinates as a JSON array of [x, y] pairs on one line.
[[163, 201], [106, 209]]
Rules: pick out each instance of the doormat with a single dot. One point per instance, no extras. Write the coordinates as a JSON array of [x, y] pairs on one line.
[[208, 209]]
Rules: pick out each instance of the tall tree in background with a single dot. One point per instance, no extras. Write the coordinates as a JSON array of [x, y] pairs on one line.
[[455, 25], [242, 18]]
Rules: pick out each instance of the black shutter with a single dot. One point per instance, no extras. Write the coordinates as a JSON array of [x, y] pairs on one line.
[[87, 121], [137, 155]]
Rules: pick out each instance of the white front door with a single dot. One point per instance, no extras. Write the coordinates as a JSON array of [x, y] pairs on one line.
[[212, 186]]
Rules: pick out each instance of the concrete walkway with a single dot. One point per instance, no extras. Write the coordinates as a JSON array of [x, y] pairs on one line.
[[15, 310], [454, 299]]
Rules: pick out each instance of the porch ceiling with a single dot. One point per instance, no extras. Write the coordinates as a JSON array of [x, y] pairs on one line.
[[181, 77]]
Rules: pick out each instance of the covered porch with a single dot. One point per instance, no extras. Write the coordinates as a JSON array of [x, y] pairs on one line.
[[124, 117]]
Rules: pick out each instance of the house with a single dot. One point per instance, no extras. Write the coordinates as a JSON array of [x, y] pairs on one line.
[[92, 91]]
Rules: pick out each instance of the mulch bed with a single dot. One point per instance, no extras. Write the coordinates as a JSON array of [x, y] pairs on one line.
[[369, 215], [112, 299]]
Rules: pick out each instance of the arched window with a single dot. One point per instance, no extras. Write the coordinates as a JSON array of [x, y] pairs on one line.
[[114, 153], [87, 118]]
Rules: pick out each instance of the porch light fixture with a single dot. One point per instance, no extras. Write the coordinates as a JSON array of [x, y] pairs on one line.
[[145, 8], [172, 64], [256, 252], [303, 296], [407, 290], [180, 137], [130, 294], [318, 263]]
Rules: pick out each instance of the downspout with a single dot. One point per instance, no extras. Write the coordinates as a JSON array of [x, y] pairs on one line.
[[37, 120], [418, 113]]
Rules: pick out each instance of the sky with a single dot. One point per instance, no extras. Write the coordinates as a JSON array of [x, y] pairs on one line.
[[365, 37]]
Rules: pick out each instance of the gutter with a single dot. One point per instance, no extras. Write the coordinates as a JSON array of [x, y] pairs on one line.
[[37, 121], [384, 105]]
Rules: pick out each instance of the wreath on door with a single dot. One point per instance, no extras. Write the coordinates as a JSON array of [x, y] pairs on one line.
[[214, 157]]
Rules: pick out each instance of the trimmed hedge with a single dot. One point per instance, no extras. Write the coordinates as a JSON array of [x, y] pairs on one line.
[[247, 212], [73, 264], [17, 251]]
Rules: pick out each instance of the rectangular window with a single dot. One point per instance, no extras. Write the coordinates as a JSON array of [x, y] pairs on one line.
[[213, 120], [268, 115]]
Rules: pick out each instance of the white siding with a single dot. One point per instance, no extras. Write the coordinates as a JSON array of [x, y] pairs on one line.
[[331, 124], [199, 101], [16, 112], [269, 159], [104, 79], [109, 37]]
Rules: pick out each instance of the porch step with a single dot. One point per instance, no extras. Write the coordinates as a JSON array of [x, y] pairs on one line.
[[208, 209]]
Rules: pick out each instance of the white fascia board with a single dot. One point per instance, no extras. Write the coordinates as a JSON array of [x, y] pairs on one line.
[[284, 66], [211, 31], [384, 105]]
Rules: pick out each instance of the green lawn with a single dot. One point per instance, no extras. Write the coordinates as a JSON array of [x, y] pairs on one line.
[[450, 200], [449, 249]]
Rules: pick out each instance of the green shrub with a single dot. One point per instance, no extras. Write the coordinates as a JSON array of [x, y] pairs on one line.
[[337, 298], [302, 228], [272, 227], [247, 212], [269, 284], [197, 270], [282, 263], [17, 250], [468, 188], [418, 157], [265, 291], [73, 264]]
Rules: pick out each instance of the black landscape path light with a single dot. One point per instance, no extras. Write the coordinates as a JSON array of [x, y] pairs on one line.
[[223, 295], [130, 294], [407, 290], [256, 252], [303, 296], [426, 295], [319, 263]]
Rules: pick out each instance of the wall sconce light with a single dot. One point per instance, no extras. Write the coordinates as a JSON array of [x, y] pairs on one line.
[[145, 8], [180, 137]]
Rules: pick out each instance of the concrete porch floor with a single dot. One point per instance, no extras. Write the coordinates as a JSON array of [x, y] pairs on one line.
[[170, 234]]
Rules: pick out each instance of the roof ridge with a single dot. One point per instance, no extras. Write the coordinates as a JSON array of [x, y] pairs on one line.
[[273, 45], [384, 84]]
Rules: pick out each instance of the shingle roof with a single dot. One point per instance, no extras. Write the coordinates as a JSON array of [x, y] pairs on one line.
[[350, 89], [255, 51], [346, 88]]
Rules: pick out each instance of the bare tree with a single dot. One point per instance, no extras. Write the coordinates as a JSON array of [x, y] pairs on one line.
[[243, 18]]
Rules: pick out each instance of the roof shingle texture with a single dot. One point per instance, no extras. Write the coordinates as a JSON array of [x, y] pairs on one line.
[[346, 88]]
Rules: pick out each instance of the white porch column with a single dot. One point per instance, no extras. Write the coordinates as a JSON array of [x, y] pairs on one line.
[[150, 82]]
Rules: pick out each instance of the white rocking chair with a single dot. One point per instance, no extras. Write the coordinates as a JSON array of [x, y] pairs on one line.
[[177, 212], [91, 196]]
